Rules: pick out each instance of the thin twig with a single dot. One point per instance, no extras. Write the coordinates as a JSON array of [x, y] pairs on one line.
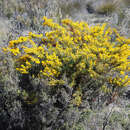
[[106, 118]]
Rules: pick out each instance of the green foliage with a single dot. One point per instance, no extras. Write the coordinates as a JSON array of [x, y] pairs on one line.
[[118, 117]]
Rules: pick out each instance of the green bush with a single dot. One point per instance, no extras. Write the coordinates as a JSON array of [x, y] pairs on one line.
[[64, 71]]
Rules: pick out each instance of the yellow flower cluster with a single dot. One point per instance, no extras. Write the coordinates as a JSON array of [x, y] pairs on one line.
[[74, 49], [77, 98]]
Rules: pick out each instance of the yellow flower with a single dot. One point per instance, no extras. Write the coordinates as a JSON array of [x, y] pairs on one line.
[[122, 72]]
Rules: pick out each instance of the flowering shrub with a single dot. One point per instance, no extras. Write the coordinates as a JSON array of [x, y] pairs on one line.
[[72, 54]]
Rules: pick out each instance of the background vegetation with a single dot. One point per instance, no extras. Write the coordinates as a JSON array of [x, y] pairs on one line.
[[30, 102]]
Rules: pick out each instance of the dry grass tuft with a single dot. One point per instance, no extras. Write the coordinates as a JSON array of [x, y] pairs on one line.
[[107, 8]]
